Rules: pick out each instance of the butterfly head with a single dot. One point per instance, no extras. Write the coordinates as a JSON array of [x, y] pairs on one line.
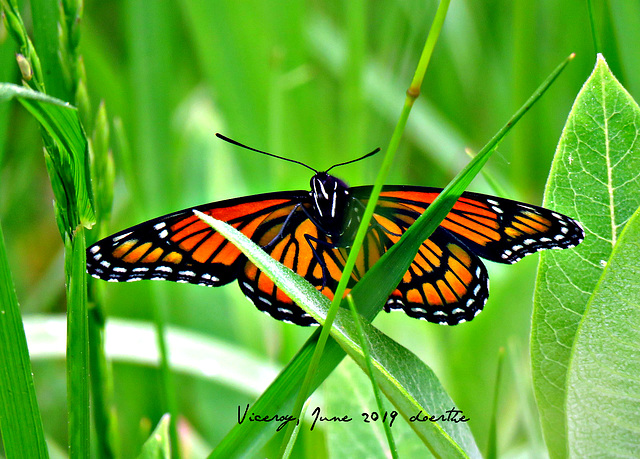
[[332, 200]]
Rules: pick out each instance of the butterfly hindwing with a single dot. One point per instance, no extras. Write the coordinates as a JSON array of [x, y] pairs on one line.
[[446, 283], [312, 254], [180, 247]]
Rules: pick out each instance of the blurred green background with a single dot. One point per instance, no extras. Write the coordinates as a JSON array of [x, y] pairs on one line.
[[320, 82]]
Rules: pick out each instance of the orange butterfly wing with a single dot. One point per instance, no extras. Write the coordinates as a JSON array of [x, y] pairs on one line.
[[447, 283], [182, 248], [308, 251]]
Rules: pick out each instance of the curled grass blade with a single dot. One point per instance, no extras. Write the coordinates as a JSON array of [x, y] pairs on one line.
[[70, 176], [66, 158]]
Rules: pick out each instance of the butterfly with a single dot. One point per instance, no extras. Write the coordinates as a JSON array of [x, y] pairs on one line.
[[311, 232]]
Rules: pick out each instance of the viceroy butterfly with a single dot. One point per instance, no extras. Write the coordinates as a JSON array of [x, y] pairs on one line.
[[311, 231]]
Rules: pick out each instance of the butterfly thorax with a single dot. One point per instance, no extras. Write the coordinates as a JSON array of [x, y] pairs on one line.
[[332, 211]]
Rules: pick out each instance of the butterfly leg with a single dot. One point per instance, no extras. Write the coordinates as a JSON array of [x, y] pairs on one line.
[[325, 272], [283, 228]]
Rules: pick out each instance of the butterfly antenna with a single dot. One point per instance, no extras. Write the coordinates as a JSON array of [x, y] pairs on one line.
[[354, 160], [227, 139]]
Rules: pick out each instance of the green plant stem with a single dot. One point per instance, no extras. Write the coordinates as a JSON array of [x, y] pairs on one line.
[[77, 347], [492, 446], [103, 406], [412, 94], [168, 385], [374, 385], [592, 24]]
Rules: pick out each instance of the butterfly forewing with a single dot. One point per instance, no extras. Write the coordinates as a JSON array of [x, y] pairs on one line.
[[496, 229], [182, 248]]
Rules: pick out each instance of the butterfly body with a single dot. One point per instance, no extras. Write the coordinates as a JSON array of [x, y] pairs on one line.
[[311, 232], [334, 210]]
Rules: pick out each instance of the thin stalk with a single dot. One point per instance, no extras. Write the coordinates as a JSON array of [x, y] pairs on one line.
[[168, 384], [412, 94], [77, 347], [354, 111], [592, 23], [103, 405], [376, 390], [492, 446]]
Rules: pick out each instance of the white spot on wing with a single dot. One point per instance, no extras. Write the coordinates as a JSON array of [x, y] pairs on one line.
[[122, 236]]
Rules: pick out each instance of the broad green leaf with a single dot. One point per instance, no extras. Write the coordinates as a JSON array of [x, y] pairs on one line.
[[603, 394], [66, 154], [406, 381], [20, 421], [157, 445], [348, 392], [594, 178]]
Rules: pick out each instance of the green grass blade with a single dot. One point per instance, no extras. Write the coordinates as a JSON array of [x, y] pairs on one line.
[[378, 283], [406, 380], [20, 421], [603, 375], [594, 179], [66, 157], [158, 446]]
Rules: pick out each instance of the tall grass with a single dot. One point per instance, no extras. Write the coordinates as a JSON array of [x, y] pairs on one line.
[[320, 83]]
